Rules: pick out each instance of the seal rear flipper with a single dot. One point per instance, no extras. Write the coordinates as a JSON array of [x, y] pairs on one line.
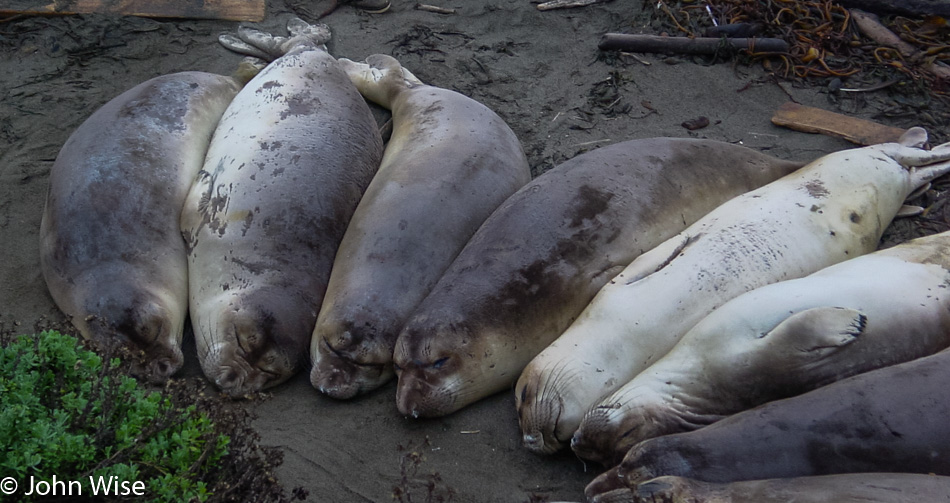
[[924, 174], [380, 78], [266, 46], [655, 259], [914, 137], [235, 44], [908, 210], [820, 328]]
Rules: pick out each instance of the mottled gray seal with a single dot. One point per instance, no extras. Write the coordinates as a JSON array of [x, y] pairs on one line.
[[794, 336], [449, 163], [285, 170], [110, 247], [833, 209], [540, 257]]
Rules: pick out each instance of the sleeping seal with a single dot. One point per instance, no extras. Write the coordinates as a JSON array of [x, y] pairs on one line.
[[540, 257], [110, 248], [889, 419], [833, 209], [449, 163], [284, 173], [845, 488], [791, 337]]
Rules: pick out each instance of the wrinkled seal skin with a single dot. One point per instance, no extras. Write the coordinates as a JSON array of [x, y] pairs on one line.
[[833, 209], [791, 337], [845, 488], [449, 163], [540, 257], [284, 173], [110, 247], [892, 419]]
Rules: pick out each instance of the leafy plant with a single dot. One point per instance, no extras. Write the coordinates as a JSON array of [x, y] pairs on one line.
[[68, 413]]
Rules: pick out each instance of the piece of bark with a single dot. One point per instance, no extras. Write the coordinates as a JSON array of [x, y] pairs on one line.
[[232, 10], [816, 120], [918, 8], [685, 45]]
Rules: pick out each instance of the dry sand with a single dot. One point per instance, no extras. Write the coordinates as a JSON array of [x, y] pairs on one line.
[[541, 71]]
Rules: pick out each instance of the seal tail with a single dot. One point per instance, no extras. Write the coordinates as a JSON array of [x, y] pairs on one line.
[[380, 78]]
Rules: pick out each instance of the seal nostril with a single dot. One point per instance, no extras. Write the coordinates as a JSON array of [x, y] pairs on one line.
[[162, 368], [229, 379]]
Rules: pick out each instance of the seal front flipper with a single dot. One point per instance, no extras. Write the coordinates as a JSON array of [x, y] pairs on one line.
[[820, 328], [656, 259]]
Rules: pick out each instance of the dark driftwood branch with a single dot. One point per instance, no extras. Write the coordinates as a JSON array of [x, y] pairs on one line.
[[684, 45]]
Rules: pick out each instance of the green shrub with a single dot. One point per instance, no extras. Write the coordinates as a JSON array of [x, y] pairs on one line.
[[66, 412]]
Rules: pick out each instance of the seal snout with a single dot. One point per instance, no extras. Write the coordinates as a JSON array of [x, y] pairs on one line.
[[539, 420], [589, 447], [537, 443], [337, 374], [417, 397], [163, 367], [237, 381], [333, 376]]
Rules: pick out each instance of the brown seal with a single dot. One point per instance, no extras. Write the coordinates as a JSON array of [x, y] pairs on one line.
[[284, 173], [449, 163], [890, 419], [110, 247], [844, 488], [540, 257]]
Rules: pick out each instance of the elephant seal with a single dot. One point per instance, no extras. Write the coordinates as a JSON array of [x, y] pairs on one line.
[[791, 337], [110, 247], [892, 419], [285, 170], [449, 163], [844, 488], [833, 209], [543, 254]]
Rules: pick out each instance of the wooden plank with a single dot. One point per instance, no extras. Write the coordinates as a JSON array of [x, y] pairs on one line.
[[232, 10], [816, 120]]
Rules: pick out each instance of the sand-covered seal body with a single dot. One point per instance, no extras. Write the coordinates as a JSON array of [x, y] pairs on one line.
[[284, 173], [449, 163], [793, 336], [540, 257], [892, 419], [833, 209], [110, 247]]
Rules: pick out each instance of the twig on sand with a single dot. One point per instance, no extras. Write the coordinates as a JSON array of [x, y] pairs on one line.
[[567, 4], [434, 8]]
